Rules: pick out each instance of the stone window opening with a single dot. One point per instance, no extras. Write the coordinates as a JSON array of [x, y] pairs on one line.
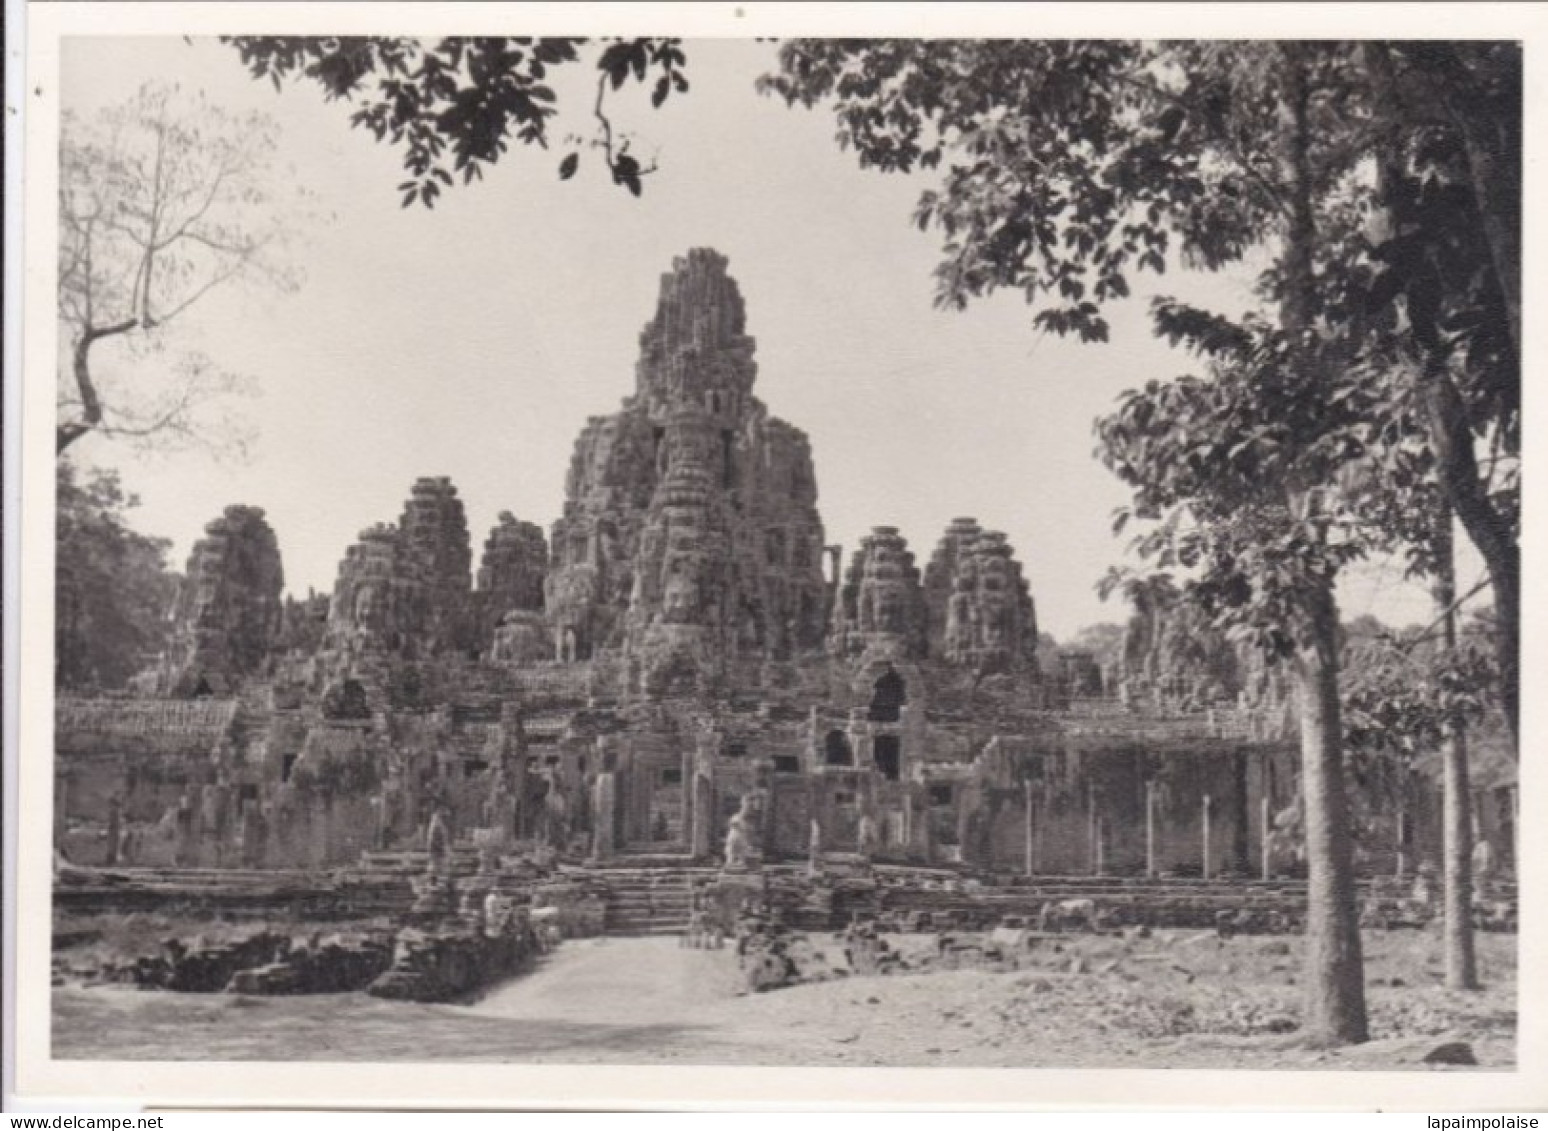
[[671, 775], [735, 750], [940, 795], [836, 749], [889, 693], [288, 766], [787, 764], [833, 560], [887, 753], [727, 459], [473, 767]]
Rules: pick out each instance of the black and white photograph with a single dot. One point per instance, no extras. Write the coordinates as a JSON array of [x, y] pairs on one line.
[[761, 550]]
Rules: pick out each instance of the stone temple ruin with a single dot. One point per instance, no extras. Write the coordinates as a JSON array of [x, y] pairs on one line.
[[683, 653]]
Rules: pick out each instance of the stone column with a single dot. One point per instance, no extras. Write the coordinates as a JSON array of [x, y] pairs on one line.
[[703, 802], [1207, 865], [1031, 827], [61, 809], [967, 807], [115, 828], [513, 745], [182, 845], [701, 799], [1400, 867], [1265, 835], [1150, 828], [1093, 850], [604, 816], [255, 835], [923, 837]]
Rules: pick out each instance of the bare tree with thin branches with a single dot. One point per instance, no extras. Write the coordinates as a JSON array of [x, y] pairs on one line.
[[162, 201]]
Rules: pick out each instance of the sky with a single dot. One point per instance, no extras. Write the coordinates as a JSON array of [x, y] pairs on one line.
[[473, 341]]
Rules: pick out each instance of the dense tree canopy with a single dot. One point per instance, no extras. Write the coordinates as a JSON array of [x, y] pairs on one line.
[[113, 589]]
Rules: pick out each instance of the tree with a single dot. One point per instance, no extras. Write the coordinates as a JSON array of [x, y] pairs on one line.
[[1415, 692], [453, 105], [113, 588], [1444, 295], [1072, 165], [161, 201]]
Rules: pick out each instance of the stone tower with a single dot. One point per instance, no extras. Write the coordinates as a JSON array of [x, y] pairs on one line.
[[980, 607], [510, 575], [512, 628], [377, 597], [437, 548], [407, 589], [881, 610], [228, 611], [690, 535]]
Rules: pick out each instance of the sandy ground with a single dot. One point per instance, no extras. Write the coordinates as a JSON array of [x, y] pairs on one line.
[[1183, 999]]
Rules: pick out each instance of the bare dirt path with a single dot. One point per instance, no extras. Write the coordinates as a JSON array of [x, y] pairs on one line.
[[620, 981], [1173, 1001]]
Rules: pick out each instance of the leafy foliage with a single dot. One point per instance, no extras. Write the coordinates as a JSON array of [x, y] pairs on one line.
[[1404, 695], [113, 588], [454, 105], [1068, 167], [1059, 168]]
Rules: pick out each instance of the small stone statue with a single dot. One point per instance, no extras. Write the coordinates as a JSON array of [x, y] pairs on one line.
[[866, 836], [736, 844], [437, 840], [814, 864]]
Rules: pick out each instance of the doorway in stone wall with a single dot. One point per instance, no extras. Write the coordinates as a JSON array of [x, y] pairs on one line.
[[666, 806], [888, 694], [887, 753]]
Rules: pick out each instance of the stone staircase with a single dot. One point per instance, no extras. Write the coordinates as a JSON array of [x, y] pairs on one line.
[[648, 901]]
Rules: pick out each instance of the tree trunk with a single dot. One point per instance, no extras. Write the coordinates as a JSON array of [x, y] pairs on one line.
[[1457, 816], [91, 403], [1335, 975], [1488, 530]]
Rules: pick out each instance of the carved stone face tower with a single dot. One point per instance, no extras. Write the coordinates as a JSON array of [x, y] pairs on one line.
[[881, 609], [981, 611], [690, 536], [228, 610]]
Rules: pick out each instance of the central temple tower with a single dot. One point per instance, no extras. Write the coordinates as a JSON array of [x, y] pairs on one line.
[[690, 535]]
